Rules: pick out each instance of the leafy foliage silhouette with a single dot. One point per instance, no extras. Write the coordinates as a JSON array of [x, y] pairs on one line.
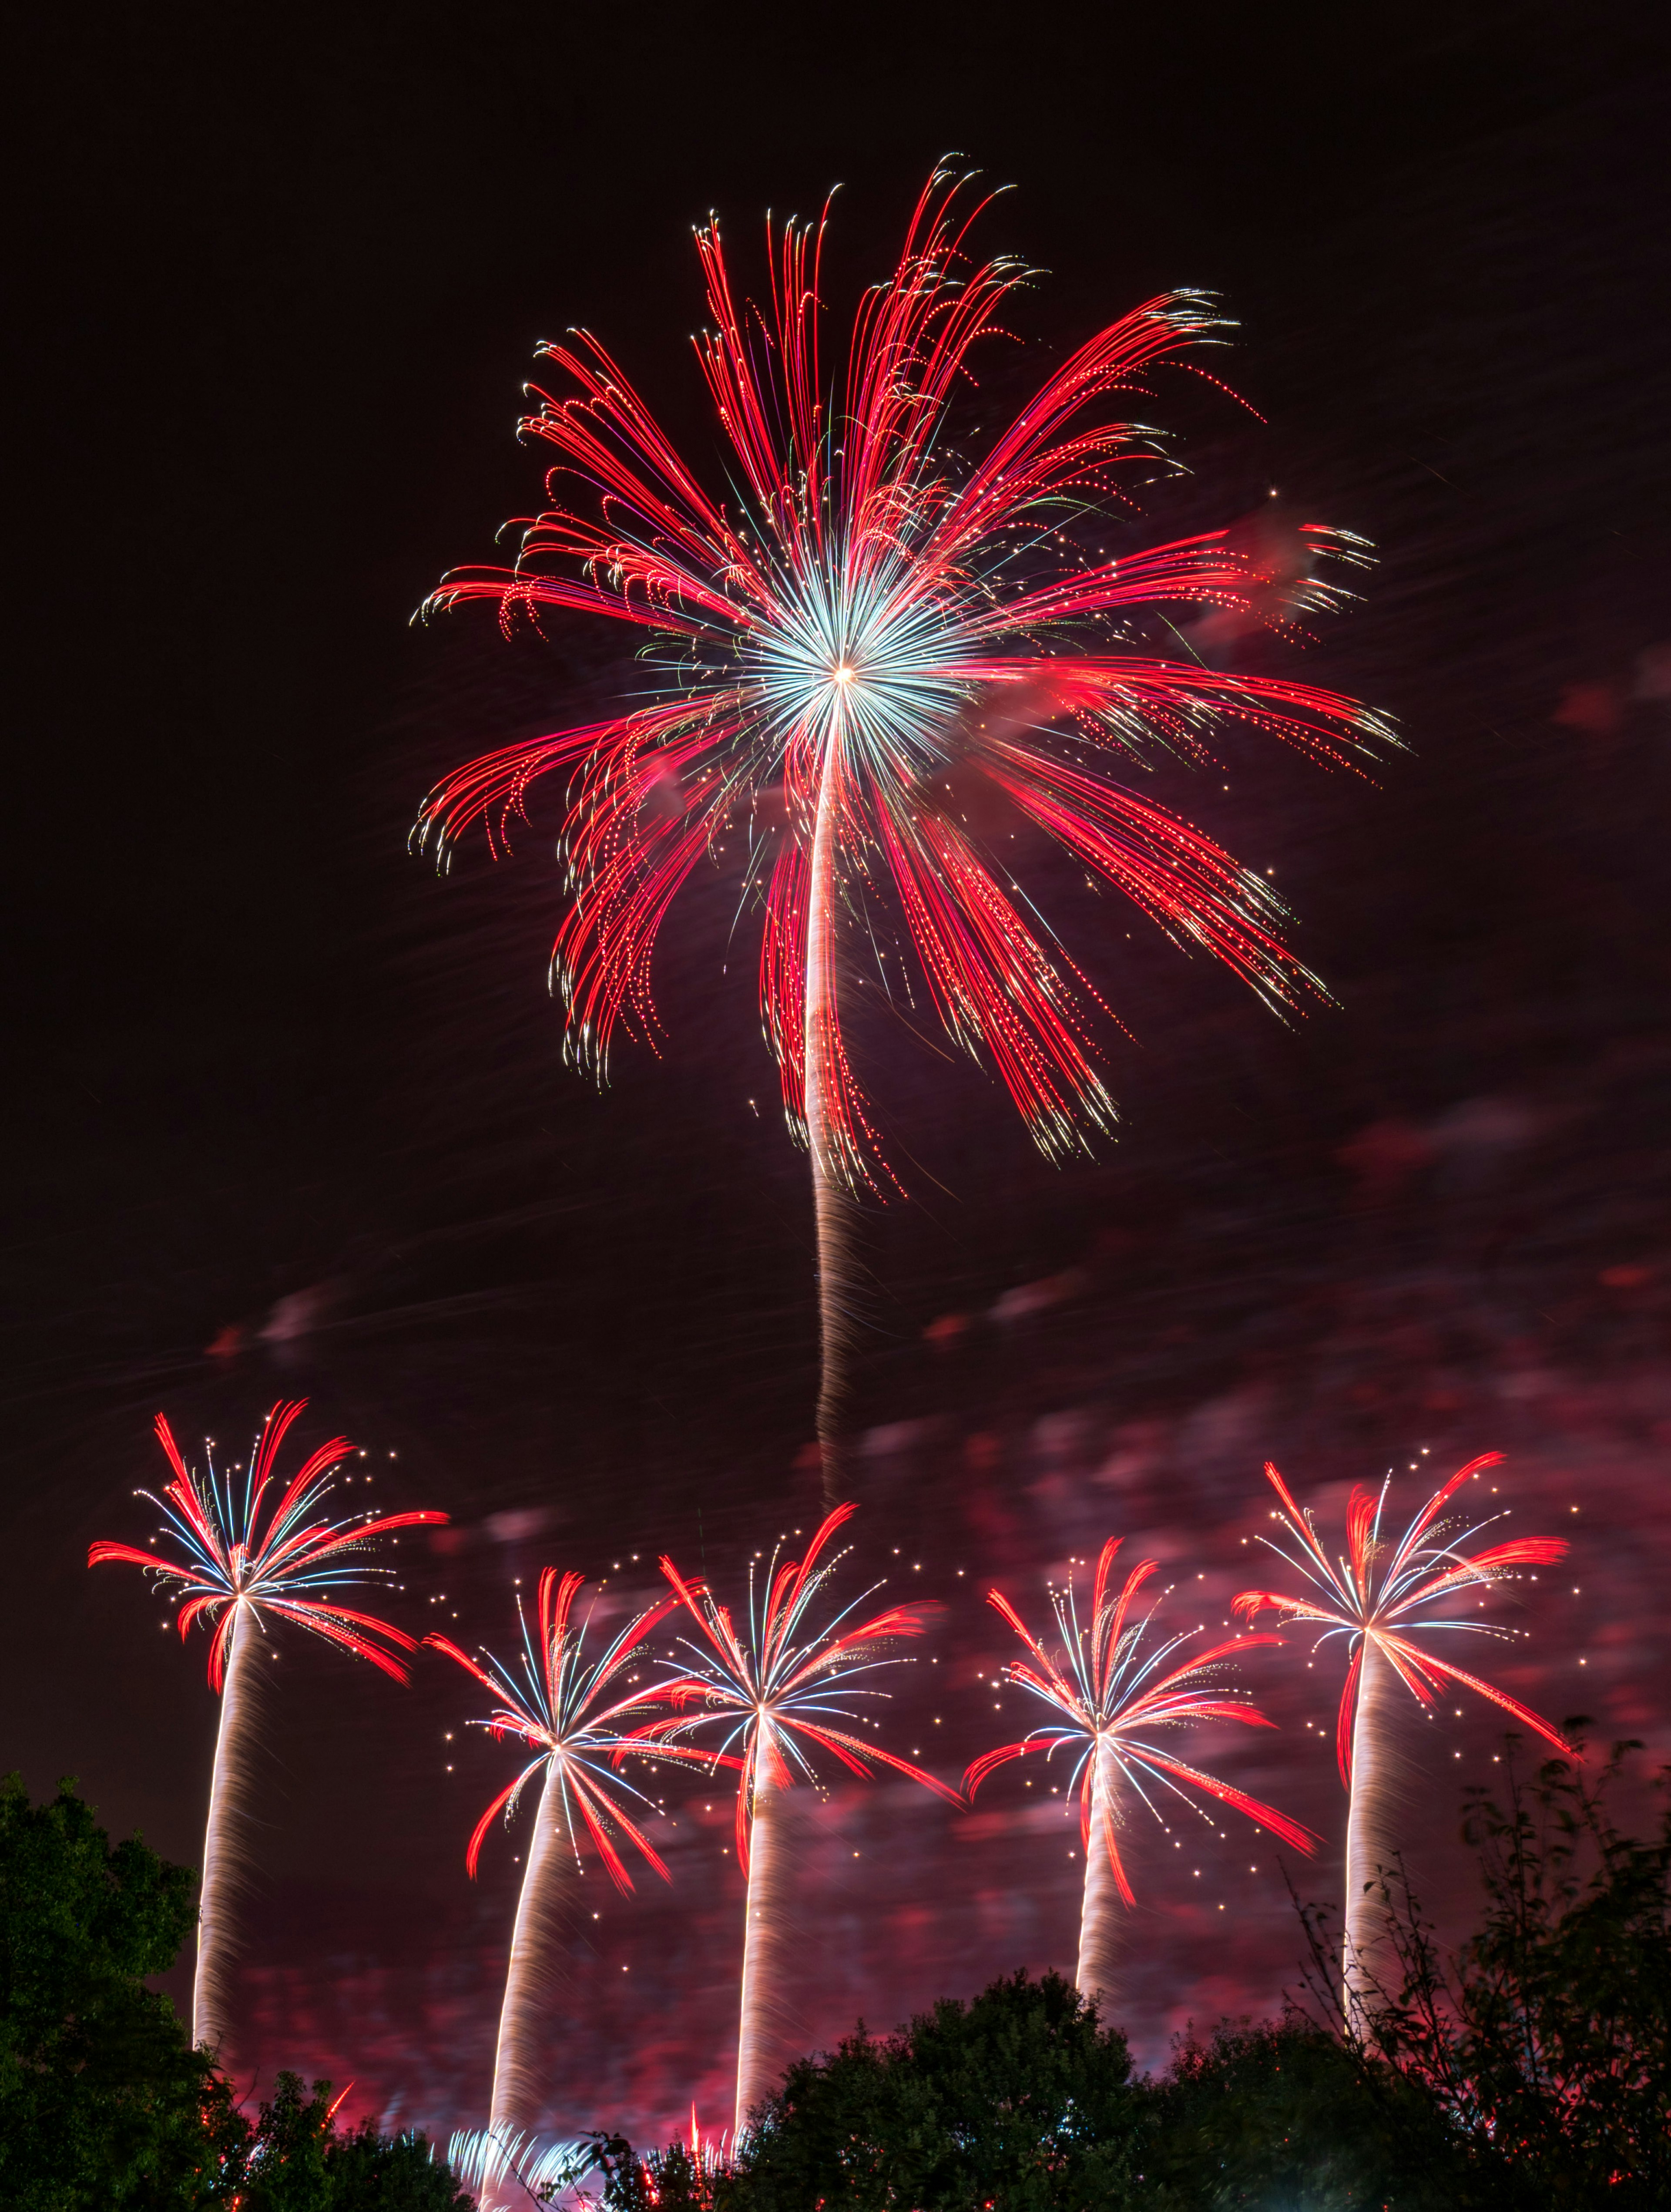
[[103, 2100]]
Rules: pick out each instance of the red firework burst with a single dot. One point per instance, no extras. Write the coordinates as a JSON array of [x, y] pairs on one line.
[[1371, 1596], [874, 620]]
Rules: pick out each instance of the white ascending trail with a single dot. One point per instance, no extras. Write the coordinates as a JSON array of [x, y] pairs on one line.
[[839, 1291], [780, 1688], [1367, 1964], [1101, 1911], [833, 1209], [222, 1848], [519, 2087], [571, 1709], [765, 1940]]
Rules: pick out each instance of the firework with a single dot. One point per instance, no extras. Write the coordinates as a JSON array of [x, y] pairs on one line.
[[577, 1713], [881, 657], [778, 1691], [1374, 1596], [485, 2161], [232, 1569], [1109, 1695], [488, 2160]]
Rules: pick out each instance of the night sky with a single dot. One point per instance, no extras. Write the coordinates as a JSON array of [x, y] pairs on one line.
[[289, 1114]]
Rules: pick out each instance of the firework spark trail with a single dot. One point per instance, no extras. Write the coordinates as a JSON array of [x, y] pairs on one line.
[[232, 1569], [772, 1689], [832, 1209], [1370, 1596], [1109, 1692], [486, 2162], [872, 607], [579, 1716], [516, 2096], [225, 1847], [765, 2018], [489, 2160]]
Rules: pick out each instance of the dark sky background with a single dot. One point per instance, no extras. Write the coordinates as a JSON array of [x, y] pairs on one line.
[[288, 1113]]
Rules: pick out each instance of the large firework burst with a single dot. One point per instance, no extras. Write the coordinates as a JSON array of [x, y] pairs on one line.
[[873, 661], [235, 1567], [1109, 1692], [778, 1691], [1376, 1595]]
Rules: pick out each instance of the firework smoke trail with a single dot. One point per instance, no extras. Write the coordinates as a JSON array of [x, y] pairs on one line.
[[579, 1715], [1108, 1694], [1371, 1596], [232, 1569], [872, 612], [773, 1690]]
